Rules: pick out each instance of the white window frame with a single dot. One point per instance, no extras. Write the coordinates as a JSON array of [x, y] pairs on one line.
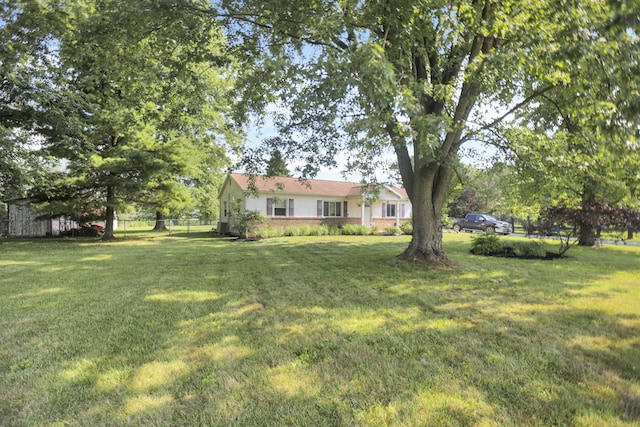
[[391, 210], [329, 205], [280, 204]]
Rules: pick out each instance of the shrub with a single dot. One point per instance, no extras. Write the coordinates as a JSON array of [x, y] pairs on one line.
[[263, 233], [335, 231], [531, 248], [447, 222], [275, 232], [319, 230], [392, 230], [305, 230], [250, 222], [357, 230], [486, 244], [407, 228], [489, 244], [349, 229]]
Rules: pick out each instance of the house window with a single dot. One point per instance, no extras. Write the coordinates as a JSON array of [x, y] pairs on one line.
[[225, 209], [391, 210], [332, 209], [280, 207]]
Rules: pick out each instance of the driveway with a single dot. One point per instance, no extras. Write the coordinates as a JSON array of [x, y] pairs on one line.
[[605, 242]]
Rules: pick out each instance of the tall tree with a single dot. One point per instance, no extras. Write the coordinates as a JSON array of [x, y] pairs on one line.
[[578, 146], [276, 165], [368, 77], [204, 192], [478, 190], [146, 93], [25, 75]]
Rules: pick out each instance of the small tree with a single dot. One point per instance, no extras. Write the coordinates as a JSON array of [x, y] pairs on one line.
[[277, 166], [595, 216], [250, 222]]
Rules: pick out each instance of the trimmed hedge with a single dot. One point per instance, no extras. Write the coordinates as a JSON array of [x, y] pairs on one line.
[[490, 245]]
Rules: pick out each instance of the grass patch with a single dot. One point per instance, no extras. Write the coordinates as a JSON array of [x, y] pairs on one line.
[[190, 329]]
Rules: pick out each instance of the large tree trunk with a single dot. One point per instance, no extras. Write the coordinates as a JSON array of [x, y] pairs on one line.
[[161, 223], [426, 176], [427, 197], [110, 216], [587, 234]]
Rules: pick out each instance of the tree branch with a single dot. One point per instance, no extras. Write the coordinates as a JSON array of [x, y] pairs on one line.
[[516, 107], [404, 159], [252, 19]]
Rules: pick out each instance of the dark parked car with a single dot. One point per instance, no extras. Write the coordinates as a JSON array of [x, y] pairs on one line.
[[481, 222]]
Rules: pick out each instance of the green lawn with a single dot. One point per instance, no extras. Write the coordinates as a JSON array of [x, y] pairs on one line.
[[190, 329]]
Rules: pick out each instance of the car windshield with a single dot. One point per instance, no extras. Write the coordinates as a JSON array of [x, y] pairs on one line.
[[489, 218]]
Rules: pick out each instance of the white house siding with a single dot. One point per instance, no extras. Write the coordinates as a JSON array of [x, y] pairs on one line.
[[230, 194], [381, 220], [305, 207]]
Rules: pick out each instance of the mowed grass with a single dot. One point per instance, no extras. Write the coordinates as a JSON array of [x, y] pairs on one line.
[[190, 329]]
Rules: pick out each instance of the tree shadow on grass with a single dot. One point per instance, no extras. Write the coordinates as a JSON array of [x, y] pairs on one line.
[[281, 333]]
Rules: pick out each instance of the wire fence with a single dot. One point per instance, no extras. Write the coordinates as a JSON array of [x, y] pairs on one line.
[[168, 221], [65, 227], [170, 224]]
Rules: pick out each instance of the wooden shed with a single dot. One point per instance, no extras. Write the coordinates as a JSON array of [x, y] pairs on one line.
[[22, 221]]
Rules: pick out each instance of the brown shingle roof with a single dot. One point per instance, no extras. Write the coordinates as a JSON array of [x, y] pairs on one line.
[[312, 187]]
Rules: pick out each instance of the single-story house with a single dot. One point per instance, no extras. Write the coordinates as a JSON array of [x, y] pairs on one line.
[[288, 201]]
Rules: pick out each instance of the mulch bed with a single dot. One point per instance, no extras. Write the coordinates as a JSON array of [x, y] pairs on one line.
[[509, 253], [246, 239]]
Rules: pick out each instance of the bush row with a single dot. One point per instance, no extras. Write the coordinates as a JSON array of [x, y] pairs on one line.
[[325, 230], [490, 244], [405, 228]]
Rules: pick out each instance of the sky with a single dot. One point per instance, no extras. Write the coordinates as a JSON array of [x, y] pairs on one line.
[[257, 132], [473, 153]]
